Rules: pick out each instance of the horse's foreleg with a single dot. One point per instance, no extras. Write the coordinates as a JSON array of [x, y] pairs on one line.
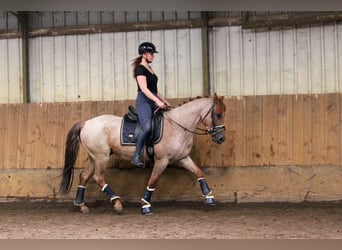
[[207, 193], [188, 164], [158, 168], [146, 207]]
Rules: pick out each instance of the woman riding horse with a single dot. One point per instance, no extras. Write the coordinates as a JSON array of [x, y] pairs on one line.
[[148, 97], [100, 137]]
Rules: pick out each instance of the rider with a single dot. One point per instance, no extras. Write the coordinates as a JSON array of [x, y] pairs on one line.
[[148, 98]]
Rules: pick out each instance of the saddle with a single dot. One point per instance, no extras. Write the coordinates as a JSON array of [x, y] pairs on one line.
[[130, 130]]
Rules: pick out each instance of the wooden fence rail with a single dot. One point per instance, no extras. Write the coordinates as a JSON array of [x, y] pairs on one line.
[[296, 130]]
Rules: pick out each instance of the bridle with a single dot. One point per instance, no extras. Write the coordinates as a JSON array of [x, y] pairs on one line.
[[211, 131]]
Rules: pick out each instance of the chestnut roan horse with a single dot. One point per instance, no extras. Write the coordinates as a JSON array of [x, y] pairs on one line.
[[100, 137]]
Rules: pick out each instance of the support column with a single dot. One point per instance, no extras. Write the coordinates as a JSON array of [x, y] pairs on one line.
[[24, 30], [205, 54]]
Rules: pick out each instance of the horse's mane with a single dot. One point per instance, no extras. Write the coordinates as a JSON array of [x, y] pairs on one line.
[[190, 100]]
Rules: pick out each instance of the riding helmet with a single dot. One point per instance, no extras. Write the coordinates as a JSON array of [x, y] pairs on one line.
[[147, 47]]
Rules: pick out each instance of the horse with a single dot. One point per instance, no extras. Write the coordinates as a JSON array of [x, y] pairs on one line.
[[100, 137]]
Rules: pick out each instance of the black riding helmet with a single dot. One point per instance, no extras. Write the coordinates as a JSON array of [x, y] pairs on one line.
[[147, 47]]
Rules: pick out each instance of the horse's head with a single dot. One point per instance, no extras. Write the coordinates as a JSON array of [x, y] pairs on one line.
[[214, 120]]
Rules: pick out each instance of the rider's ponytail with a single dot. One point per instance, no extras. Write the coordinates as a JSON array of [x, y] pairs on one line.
[[135, 64]]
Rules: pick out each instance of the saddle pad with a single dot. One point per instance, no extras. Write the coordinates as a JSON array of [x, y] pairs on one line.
[[130, 130]]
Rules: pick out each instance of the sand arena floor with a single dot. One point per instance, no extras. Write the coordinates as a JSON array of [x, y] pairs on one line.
[[172, 220]]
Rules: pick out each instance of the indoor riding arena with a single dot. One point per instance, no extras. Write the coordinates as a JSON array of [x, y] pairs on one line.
[[277, 175]]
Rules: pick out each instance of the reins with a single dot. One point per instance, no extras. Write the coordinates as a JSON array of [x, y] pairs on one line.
[[204, 131]]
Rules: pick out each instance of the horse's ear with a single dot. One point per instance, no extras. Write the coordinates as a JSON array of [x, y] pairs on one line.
[[216, 97]]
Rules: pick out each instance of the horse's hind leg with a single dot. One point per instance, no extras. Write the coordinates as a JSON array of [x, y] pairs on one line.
[[188, 164], [84, 178], [101, 165]]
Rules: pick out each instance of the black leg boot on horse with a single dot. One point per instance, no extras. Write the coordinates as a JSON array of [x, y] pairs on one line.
[[146, 208]]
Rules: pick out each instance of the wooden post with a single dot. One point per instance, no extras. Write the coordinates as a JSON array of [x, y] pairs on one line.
[[24, 29], [205, 54]]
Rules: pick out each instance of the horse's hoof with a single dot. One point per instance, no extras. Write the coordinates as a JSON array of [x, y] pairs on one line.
[[209, 201], [146, 210], [84, 209], [118, 207]]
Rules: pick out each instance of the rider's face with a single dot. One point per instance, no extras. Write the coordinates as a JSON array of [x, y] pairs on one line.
[[149, 56]]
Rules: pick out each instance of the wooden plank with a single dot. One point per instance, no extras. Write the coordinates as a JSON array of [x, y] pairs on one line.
[[291, 18], [275, 20], [60, 134], [86, 112], [40, 142], [253, 130], [240, 126], [109, 28], [22, 134], [10, 34], [75, 112], [285, 126], [307, 129], [228, 147], [51, 136], [298, 136], [270, 143], [12, 135], [332, 129], [318, 131], [103, 108], [31, 136], [3, 134]]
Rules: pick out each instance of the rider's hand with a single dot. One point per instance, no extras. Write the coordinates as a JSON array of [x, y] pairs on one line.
[[161, 104]]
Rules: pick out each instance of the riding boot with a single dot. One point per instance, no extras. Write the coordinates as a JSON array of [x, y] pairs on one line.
[[138, 152]]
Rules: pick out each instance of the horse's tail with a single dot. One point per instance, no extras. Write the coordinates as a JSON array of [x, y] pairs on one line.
[[71, 150]]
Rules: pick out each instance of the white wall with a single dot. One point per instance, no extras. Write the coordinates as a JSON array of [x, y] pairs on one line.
[[288, 60], [274, 62], [10, 71], [98, 66]]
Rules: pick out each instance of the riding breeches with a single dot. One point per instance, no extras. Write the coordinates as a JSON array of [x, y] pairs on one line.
[[144, 108]]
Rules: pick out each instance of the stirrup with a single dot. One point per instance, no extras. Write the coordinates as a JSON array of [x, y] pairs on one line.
[[138, 163]]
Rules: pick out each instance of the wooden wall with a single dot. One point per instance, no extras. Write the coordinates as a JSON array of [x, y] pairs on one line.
[[279, 130], [289, 130]]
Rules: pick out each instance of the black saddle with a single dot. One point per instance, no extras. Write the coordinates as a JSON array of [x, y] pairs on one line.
[[130, 130]]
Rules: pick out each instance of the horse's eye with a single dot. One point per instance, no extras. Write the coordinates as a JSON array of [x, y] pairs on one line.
[[219, 116]]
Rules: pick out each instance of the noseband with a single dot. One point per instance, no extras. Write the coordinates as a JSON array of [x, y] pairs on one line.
[[214, 128]]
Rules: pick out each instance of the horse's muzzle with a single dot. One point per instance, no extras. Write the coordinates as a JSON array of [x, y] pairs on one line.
[[217, 134]]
